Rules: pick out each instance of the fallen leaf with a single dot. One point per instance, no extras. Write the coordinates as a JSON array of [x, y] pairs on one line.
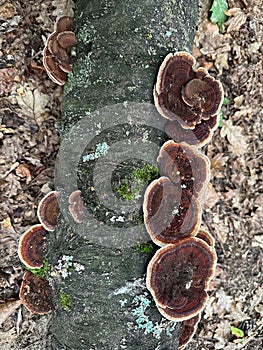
[[211, 197], [235, 137], [238, 18], [7, 11], [7, 308], [23, 170], [32, 102]]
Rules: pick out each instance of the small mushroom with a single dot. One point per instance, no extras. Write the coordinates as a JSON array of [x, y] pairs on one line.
[[199, 136], [77, 208], [183, 165], [64, 23], [187, 330], [170, 212], [35, 293], [32, 246], [178, 277], [182, 92], [48, 211], [67, 40], [206, 237]]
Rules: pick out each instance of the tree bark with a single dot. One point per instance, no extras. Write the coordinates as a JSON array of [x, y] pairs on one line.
[[121, 45]]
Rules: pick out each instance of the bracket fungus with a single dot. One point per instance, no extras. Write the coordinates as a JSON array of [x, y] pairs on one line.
[[48, 211], [32, 246], [187, 330], [170, 213], [35, 293], [178, 276], [77, 208], [56, 54], [183, 165], [184, 94], [199, 136]]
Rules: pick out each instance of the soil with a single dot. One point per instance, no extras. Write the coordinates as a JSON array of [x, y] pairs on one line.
[[30, 116]]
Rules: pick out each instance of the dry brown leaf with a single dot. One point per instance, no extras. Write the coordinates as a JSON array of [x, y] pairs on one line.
[[63, 8], [7, 308], [211, 197], [23, 170], [32, 102], [218, 163], [7, 11], [7, 76], [235, 137], [238, 18]]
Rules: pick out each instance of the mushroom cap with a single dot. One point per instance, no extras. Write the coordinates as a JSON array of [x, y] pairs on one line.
[[59, 54], [48, 211], [64, 23], [35, 293], [170, 213], [185, 166], [199, 136], [182, 92], [206, 237], [77, 208], [67, 40], [32, 246], [178, 276], [187, 330], [55, 73]]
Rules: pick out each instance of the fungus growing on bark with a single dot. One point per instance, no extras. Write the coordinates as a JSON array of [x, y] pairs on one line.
[[32, 246], [182, 92], [187, 330], [199, 136], [170, 212], [183, 165], [56, 54], [77, 208], [48, 211], [35, 293], [205, 236], [178, 276]]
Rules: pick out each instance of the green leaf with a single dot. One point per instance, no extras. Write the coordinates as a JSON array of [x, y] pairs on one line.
[[218, 15], [225, 101], [237, 332]]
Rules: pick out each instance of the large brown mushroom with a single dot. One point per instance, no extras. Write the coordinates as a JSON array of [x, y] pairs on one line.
[[48, 211], [77, 208], [178, 277], [183, 165], [170, 212], [35, 293], [186, 95], [32, 246]]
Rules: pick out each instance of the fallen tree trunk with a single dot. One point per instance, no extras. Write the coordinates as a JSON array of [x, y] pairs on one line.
[[102, 302]]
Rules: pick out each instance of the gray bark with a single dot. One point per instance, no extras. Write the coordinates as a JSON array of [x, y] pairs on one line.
[[120, 47]]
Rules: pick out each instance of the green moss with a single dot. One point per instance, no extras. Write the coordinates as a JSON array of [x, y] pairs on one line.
[[65, 301], [42, 271], [145, 247], [147, 173], [124, 191]]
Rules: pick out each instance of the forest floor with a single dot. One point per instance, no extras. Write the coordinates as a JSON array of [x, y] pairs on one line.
[[30, 111]]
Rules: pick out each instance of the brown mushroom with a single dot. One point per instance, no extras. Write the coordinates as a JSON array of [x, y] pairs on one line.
[[64, 23], [48, 211], [32, 246], [178, 277], [55, 73], [67, 40], [187, 330], [183, 165], [77, 208], [199, 136], [170, 212], [206, 237], [182, 92], [35, 293]]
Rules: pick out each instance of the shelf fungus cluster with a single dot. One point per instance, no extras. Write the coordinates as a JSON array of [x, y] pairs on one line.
[[56, 54], [180, 271], [35, 291], [190, 99]]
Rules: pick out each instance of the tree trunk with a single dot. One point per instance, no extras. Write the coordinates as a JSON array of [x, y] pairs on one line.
[[108, 103]]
